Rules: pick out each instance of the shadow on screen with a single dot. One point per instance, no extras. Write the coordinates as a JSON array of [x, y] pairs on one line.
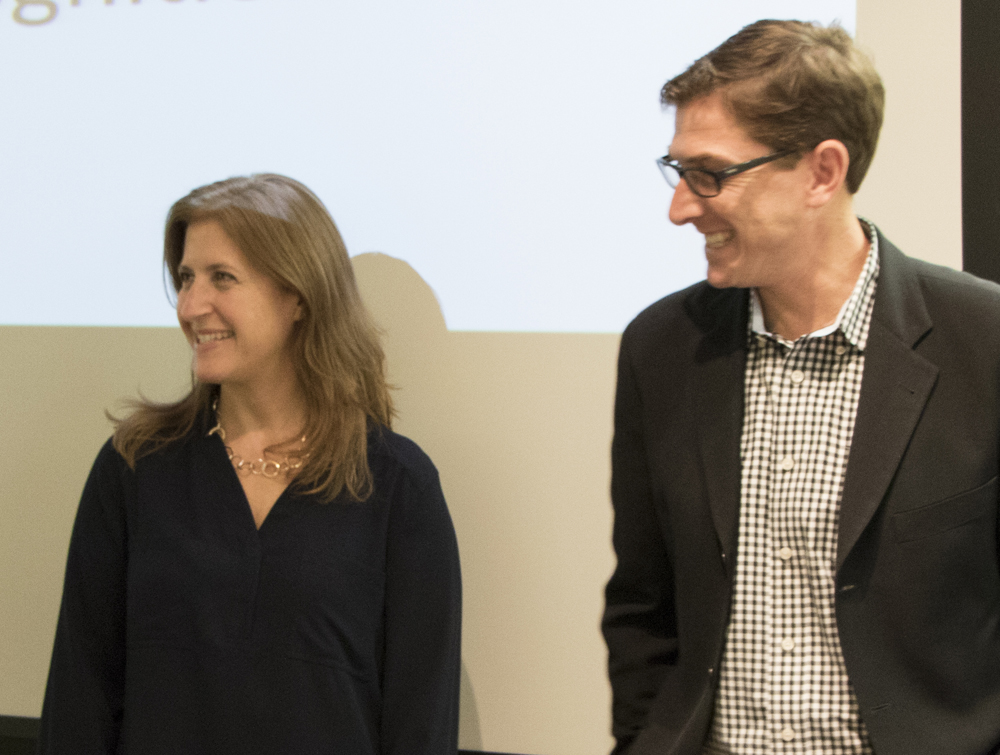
[[519, 426]]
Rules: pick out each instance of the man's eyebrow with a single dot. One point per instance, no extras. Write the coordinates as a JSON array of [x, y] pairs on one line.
[[700, 160]]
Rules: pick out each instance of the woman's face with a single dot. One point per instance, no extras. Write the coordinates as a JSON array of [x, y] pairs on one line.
[[238, 321]]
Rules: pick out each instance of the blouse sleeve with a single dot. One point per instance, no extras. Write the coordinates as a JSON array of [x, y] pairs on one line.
[[423, 619], [82, 711]]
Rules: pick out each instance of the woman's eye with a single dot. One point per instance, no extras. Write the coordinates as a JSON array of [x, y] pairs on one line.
[[223, 277], [185, 278]]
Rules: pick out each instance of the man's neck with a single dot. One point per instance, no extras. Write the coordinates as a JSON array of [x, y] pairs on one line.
[[812, 298]]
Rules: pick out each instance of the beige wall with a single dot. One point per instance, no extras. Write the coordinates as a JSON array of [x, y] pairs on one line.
[[914, 189], [55, 384], [519, 425]]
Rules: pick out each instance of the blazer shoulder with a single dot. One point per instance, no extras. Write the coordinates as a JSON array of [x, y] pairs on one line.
[[954, 284], [914, 298], [934, 280], [696, 309], [958, 302]]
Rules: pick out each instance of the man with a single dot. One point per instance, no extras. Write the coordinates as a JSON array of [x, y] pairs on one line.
[[806, 445]]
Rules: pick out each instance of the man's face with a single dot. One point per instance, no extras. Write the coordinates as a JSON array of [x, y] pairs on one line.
[[754, 228]]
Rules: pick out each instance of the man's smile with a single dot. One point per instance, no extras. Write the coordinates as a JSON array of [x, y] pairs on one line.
[[715, 240]]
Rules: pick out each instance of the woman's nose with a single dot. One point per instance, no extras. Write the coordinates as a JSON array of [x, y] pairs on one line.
[[193, 300]]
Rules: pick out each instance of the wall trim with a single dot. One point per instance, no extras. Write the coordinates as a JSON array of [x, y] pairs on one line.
[[980, 147]]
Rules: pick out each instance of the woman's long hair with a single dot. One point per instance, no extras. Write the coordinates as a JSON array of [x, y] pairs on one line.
[[285, 232]]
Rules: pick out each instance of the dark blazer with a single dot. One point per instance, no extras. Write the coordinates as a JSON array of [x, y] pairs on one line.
[[917, 572]]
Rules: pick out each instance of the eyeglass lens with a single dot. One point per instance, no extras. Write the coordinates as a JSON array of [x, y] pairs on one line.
[[701, 182]]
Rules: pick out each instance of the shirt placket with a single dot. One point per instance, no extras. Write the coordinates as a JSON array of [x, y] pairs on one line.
[[789, 619], [762, 642], [749, 657]]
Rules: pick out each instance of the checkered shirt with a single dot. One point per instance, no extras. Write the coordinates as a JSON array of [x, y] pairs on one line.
[[783, 687]]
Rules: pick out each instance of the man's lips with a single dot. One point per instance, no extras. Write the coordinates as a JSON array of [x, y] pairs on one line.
[[717, 239]]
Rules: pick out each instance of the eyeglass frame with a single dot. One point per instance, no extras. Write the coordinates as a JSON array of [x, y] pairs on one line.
[[667, 164]]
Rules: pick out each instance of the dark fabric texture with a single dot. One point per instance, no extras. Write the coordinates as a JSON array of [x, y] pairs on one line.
[[918, 573], [183, 629]]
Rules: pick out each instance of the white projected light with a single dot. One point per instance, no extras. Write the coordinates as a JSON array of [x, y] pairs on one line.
[[505, 150]]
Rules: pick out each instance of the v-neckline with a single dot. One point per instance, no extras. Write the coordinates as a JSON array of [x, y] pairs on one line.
[[244, 499]]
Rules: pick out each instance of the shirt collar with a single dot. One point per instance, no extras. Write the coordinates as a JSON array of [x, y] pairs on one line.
[[855, 313]]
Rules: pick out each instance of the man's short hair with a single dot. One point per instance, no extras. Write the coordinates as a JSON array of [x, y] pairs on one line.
[[792, 85]]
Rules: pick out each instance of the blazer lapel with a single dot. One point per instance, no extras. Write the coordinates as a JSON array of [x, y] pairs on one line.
[[720, 362], [896, 385]]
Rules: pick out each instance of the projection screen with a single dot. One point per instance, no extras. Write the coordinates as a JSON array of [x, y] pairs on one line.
[[504, 150]]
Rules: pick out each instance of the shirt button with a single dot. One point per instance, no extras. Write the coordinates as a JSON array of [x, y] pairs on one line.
[[798, 376], [785, 553], [787, 644], [788, 463], [788, 734], [840, 351]]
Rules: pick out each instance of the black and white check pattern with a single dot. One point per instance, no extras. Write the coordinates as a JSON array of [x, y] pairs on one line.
[[783, 687]]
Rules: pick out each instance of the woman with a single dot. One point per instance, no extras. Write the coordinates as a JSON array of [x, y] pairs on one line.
[[263, 566]]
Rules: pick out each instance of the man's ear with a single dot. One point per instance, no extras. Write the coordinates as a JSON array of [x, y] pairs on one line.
[[828, 163]]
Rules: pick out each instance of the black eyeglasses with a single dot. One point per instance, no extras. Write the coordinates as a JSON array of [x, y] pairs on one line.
[[708, 183]]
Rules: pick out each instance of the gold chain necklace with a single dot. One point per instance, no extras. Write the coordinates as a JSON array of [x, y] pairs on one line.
[[268, 468]]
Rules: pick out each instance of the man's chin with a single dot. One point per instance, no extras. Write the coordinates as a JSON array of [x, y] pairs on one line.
[[720, 279]]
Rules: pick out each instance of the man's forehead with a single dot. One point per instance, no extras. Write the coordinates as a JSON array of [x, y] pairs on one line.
[[705, 129]]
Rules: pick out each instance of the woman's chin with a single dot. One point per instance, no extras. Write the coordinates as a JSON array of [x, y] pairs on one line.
[[207, 374]]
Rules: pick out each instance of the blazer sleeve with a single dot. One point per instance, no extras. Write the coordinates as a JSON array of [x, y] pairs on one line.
[[83, 705], [423, 621], [639, 621]]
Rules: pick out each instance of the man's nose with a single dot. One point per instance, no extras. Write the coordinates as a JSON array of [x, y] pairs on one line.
[[685, 205]]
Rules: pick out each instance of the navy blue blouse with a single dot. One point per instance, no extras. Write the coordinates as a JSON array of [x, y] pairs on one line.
[[183, 629]]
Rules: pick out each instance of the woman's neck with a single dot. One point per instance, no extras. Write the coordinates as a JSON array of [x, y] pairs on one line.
[[275, 414]]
